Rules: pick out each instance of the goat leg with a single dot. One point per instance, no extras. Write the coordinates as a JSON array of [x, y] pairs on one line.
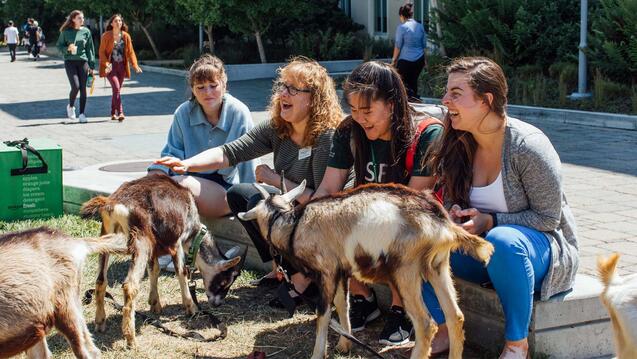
[[39, 351], [342, 308], [131, 288], [100, 292], [180, 270], [153, 274], [445, 291]]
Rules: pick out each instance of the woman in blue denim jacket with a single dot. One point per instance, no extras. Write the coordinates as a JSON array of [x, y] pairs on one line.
[[209, 119]]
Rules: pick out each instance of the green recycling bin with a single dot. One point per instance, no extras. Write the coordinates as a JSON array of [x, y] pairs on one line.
[[30, 179]]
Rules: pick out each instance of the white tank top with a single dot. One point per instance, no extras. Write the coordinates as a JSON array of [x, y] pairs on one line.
[[489, 198]]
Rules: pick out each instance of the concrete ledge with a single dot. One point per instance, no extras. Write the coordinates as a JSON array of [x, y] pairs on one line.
[[264, 71], [586, 118]]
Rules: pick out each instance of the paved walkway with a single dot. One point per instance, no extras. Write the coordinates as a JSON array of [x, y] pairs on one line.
[[600, 165]]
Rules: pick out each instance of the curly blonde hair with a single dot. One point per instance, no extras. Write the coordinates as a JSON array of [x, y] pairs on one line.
[[325, 109]]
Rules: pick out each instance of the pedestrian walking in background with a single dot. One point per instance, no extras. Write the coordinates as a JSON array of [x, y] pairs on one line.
[[409, 50], [35, 43], [25, 38], [11, 38], [116, 53], [76, 44]]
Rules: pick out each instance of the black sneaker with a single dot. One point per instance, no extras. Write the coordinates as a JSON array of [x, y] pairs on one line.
[[362, 311], [397, 328]]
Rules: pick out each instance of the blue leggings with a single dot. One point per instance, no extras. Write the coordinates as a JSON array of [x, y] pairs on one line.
[[521, 260]]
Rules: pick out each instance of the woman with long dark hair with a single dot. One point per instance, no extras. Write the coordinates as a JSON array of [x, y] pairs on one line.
[[116, 53], [502, 179], [76, 45], [375, 139]]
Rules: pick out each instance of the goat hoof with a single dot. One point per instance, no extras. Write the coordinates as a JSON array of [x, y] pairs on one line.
[[100, 327], [155, 307], [130, 343], [344, 345], [191, 308]]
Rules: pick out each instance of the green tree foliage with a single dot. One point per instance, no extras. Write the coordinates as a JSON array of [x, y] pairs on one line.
[[512, 32], [255, 18], [613, 42], [205, 12], [143, 13]]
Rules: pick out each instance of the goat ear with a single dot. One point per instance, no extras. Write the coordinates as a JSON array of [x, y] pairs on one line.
[[295, 193], [229, 263], [265, 194], [248, 216]]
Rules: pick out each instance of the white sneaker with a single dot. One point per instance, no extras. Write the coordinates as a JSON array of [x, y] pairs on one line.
[[83, 118], [70, 113]]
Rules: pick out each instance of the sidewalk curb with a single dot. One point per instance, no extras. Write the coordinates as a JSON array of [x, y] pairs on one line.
[[586, 118]]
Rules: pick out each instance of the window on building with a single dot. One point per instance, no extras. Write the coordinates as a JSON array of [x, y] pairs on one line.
[[380, 11], [346, 6], [421, 11]]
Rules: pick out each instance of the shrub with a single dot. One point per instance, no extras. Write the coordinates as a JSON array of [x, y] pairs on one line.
[[512, 32], [613, 41]]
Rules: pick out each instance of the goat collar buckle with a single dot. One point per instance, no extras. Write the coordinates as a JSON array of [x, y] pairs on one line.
[[194, 249]]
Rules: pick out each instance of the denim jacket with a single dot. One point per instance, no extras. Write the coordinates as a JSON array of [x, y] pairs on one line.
[[191, 133]]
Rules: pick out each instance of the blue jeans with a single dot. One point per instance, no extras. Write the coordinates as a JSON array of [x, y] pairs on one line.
[[517, 268]]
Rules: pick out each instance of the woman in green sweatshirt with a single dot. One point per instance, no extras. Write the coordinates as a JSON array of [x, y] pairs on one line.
[[76, 44]]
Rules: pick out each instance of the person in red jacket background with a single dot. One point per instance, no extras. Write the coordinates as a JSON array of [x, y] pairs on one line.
[[116, 53]]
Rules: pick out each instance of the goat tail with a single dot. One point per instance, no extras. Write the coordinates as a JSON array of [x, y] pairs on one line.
[[473, 245], [109, 243], [94, 207], [606, 268]]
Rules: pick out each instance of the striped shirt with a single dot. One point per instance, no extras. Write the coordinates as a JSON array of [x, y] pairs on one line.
[[299, 163]]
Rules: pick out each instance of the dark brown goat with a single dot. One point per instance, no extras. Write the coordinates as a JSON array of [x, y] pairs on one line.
[[160, 217]]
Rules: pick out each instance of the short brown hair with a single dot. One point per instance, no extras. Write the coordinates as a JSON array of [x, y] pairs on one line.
[[206, 68]]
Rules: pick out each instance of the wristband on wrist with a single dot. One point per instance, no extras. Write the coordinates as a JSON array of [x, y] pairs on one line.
[[494, 218]]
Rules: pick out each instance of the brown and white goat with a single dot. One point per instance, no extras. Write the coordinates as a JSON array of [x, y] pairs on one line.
[[160, 217], [620, 298], [40, 273], [378, 233]]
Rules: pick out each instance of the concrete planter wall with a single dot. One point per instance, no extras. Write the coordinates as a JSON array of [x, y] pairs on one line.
[[265, 71], [587, 118]]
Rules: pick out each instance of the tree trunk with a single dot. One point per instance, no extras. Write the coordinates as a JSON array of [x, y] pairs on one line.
[[150, 40], [434, 7], [211, 42], [257, 35]]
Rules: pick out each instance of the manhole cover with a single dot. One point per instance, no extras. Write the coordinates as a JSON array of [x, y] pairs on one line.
[[139, 166]]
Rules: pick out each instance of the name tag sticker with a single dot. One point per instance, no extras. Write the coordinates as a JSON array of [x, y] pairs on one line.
[[305, 152]]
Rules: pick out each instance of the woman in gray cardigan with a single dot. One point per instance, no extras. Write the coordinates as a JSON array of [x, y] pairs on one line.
[[502, 179]]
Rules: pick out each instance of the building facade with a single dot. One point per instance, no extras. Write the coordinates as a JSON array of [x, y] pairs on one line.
[[380, 17]]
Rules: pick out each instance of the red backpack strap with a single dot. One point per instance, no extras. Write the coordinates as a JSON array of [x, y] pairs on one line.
[[411, 151]]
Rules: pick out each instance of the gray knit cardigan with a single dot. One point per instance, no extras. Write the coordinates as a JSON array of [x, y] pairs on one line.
[[532, 179]]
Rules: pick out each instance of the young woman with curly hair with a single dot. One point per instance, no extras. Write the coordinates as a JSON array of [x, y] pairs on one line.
[[305, 112]]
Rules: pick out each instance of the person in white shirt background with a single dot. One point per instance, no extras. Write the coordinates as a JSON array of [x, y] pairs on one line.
[[11, 38]]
